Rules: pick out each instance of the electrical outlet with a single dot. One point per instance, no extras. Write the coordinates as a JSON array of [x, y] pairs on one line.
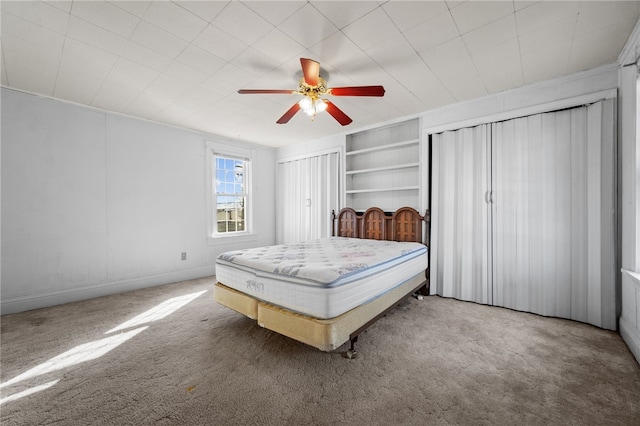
[[183, 255]]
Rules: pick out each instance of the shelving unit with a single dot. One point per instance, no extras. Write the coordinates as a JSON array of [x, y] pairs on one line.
[[383, 167]]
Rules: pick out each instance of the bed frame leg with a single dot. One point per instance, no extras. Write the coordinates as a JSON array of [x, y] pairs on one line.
[[352, 353], [422, 291]]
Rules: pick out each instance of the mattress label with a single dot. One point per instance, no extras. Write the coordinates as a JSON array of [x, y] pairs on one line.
[[255, 287]]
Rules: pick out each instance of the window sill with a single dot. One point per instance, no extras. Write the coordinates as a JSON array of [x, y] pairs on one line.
[[226, 239], [635, 277]]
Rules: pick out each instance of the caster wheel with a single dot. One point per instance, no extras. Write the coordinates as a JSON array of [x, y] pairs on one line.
[[420, 297], [351, 354]]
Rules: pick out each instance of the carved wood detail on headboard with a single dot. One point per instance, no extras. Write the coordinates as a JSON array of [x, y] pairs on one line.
[[405, 224]]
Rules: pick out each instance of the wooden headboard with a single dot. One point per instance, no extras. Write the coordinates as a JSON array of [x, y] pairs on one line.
[[405, 224]]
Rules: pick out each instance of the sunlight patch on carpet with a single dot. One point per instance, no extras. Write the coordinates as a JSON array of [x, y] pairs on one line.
[[158, 312], [28, 392], [97, 348], [79, 354]]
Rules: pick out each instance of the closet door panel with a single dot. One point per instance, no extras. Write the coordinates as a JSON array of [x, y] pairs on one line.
[[460, 223], [579, 212], [531, 214], [553, 214], [560, 180], [601, 214], [308, 189], [536, 233], [322, 194], [507, 176]]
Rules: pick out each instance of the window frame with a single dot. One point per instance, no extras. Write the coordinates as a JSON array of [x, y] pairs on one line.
[[214, 151]]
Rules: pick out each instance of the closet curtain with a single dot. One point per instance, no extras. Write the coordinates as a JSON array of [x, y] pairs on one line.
[[307, 192], [524, 214]]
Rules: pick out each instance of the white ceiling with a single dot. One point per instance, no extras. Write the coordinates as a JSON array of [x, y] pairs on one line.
[[182, 62]]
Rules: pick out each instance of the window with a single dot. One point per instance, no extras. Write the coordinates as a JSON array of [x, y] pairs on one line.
[[228, 197], [231, 196]]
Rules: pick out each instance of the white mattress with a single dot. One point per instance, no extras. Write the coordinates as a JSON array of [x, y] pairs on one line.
[[322, 278]]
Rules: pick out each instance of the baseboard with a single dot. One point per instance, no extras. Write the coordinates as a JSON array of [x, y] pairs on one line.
[[631, 337], [25, 303]]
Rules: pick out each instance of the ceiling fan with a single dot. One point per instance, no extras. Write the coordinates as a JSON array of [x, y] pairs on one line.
[[313, 87]]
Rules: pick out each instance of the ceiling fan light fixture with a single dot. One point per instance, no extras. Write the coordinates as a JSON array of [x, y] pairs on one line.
[[312, 87], [311, 106], [305, 104], [320, 105]]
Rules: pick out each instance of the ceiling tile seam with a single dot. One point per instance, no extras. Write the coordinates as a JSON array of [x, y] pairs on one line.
[[245, 3], [279, 64], [64, 45], [248, 8], [168, 32], [119, 55], [55, 81], [73, 3], [197, 16], [38, 24], [519, 46], [139, 19], [468, 54], [513, 11], [116, 4], [379, 6], [484, 84], [4, 65], [248, 46], [340, 30], [4, 62], [191, 44], [465, 46], [171, 60], [418, 55], [430, 18], [573, 39]]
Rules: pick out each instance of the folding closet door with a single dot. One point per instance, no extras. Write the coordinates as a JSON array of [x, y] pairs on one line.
[[308, 189], [552, 209], [523, 214], [532, 215], [460, 232]]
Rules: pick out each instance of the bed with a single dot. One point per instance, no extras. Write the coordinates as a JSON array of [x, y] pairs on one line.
[[327, 291]]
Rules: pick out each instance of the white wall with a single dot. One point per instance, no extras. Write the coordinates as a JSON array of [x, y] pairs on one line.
[[299, 150], [629, 192], [95, 203]]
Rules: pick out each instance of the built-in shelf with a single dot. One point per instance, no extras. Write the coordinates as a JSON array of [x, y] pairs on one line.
[[384, 147], [380, 169], [395, 188], [383, 167]]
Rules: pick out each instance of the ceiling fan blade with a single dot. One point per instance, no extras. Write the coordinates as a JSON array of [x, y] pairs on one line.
[[311, 71], [337, 113], [264, 91], [357, 91], [290, 113]]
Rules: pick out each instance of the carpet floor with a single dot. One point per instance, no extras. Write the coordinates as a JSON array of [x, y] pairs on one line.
[[170, 355]]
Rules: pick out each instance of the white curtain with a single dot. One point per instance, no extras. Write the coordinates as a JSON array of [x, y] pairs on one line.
[[523, 214], [308, 189]]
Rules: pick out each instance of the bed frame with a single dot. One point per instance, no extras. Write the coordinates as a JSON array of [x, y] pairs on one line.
[[405, 224]]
